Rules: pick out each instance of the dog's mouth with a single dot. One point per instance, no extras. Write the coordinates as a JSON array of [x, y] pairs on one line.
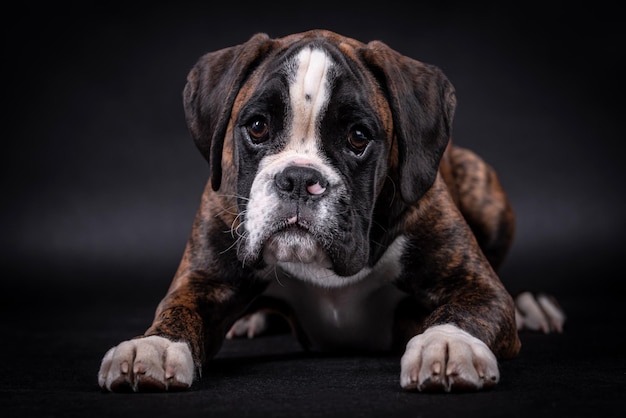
[[294, 243]]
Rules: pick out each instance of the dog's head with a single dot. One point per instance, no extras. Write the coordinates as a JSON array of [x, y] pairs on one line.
[[306, 130]]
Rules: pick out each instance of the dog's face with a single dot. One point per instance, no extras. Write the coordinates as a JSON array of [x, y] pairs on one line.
[[311, 153], [314, 125]]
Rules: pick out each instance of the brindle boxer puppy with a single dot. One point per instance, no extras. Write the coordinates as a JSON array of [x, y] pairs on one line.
[[337, 199]]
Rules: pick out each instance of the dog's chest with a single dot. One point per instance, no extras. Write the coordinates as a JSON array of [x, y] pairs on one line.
[[357, 316]]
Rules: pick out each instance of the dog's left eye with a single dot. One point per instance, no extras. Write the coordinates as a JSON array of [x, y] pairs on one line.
[[258, 130], [357, 140]]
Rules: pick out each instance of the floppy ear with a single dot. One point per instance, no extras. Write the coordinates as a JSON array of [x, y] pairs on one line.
[[212, 85], [422, 101]]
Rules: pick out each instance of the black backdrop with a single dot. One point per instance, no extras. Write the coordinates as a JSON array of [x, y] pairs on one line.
[[100, 170], [101, 180]]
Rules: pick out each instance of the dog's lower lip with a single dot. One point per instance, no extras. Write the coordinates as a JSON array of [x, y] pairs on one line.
[[293, 224], [296, 229], [292, 243]]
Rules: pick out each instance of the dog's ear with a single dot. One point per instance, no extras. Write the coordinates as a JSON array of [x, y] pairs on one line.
[[208, 96], [422, 101]]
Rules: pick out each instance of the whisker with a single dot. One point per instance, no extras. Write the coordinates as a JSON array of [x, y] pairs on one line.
[[234, 229], [393, 196], [235, 196], [231, 246]]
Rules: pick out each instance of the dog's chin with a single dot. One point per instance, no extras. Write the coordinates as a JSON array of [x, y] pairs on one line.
[[294, 245]]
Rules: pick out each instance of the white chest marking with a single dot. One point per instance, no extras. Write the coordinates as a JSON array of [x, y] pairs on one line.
[[354, 312]]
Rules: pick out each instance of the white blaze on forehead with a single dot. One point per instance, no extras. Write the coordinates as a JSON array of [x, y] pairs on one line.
[[309, 95]]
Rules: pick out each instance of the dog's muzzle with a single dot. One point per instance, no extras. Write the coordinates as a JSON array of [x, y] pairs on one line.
[[300, 191]]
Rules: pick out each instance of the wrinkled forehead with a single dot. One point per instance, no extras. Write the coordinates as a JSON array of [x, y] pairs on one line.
[[307, 76], [309, 59], [312, 67], [308, 67]]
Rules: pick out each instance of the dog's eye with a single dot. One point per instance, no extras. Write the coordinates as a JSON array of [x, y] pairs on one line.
[[357, 140], [258, 130]]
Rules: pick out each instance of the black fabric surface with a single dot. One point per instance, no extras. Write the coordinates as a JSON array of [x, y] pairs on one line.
[[52, 347]]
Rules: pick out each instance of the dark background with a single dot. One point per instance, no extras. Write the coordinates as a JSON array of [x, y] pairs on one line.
[[101, 181]]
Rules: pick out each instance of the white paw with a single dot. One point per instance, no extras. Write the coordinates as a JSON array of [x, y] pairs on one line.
[[147, 364], [446, 358], [249, 326], [540, 313]]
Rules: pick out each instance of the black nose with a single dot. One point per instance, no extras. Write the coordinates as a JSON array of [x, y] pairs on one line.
[[301, 182]]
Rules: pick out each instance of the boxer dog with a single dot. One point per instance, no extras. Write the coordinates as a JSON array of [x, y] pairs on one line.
[[337, 200]]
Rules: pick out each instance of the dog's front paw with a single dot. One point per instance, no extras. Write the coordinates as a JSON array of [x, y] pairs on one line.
[[146, 365], [539, 312], [446, 358]]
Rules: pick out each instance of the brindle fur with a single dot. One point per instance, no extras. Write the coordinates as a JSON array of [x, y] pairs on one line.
[[459, 224]]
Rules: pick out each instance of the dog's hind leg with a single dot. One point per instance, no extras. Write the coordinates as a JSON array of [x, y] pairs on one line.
[[486, 208], [483, 203]]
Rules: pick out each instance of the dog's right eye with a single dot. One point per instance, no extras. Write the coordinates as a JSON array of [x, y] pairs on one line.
[[258, 130]]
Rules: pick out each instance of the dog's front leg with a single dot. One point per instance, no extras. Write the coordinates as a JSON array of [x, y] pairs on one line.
[[471, 317], [188, 328], [209, 292]]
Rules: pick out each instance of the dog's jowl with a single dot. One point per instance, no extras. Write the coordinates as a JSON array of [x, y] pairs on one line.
[[337, 201]]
